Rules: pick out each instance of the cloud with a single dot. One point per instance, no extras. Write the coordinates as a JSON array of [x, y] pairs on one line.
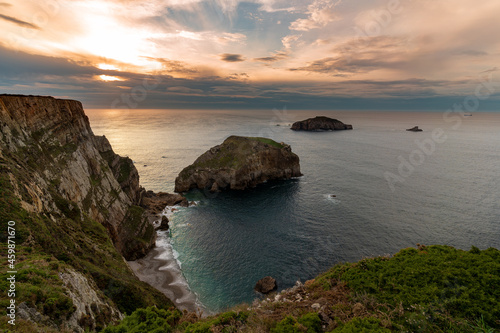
[[275, 57], [473, 53], [231, 38], [491, 70], [230, 57], [20, 23], [361, 56], [237, 76], [289, 40], [5, 4], [321, 12], [174, 66], [184, 90]]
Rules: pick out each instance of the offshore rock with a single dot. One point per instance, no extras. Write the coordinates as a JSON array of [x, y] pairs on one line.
[[414, 129], [266, 285], [320, 123], [155, 203], [239, 163]]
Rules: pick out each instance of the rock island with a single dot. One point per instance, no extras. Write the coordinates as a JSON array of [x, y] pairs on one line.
[[239, 163], [320, 123]]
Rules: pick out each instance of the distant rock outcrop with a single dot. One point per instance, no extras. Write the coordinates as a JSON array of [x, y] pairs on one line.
[[414, 129], [239, 163], [320, 123], [266, 285]]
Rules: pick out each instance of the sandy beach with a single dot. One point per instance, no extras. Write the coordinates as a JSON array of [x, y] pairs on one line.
[[161, 270]]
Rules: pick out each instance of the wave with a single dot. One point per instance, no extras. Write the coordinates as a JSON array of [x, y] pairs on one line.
[[332, 198]]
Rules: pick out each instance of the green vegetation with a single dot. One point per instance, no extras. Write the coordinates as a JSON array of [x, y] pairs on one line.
[[309, 323], [49, 244], [151, 320], [267, 142], [362, 325], [37, 284], [232, 153], [435, 287], [429, 289]]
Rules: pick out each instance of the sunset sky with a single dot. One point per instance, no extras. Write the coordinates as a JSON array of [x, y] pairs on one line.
[[311, 54]]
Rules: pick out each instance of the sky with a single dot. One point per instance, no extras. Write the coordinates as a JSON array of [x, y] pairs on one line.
[[254, 54]]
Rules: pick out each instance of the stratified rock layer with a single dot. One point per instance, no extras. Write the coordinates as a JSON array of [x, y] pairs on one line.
[[320, 123], [79, 205], [64, 160], [239, 163]]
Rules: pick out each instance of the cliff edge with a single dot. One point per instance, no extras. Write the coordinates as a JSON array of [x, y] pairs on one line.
[[239, 163], [77, 211]]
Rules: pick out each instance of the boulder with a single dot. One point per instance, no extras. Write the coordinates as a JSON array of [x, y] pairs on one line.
[[266, 285], [164, 223], [320, 123]]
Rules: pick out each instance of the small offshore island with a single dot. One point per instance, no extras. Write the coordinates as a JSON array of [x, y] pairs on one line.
[[239, 163], [320, 123], [79, 213]]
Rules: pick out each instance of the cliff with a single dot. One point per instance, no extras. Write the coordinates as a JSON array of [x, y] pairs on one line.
[[72, 199], [239, 163], [320, 123]]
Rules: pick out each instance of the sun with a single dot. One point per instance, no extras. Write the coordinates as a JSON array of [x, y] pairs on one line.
[[109, 78]]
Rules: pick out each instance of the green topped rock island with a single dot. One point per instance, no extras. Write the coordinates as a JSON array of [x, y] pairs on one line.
[[239, 163]]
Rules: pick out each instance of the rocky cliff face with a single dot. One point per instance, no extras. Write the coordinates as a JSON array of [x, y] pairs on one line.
[[320, 123], [61, 155], [75, 200], [239, 163]]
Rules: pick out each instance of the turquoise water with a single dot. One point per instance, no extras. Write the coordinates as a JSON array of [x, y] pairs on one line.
[[293, 230]]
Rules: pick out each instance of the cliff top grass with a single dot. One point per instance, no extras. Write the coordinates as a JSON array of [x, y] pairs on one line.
[[428, 289], [232, 153]]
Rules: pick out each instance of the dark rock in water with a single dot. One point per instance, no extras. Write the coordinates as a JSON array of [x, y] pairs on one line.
[[266, 285], [239, 163], [155, 203], [320, 123], [414, 129], [163, 223]]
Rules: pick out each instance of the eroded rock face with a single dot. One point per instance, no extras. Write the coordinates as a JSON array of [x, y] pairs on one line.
[[239, 163], [62, 161], [92, 311], [320, 123], [65, 183]]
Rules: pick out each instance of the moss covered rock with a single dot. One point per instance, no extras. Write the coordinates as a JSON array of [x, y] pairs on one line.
[[239, 163]]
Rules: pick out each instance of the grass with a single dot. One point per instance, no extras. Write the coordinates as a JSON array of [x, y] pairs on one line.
[[429, 289], [232, 154]]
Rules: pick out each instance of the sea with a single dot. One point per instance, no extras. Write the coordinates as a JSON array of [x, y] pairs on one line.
[[370, 191]]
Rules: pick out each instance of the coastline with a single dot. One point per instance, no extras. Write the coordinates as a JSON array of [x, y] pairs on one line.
[[160, 269]]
